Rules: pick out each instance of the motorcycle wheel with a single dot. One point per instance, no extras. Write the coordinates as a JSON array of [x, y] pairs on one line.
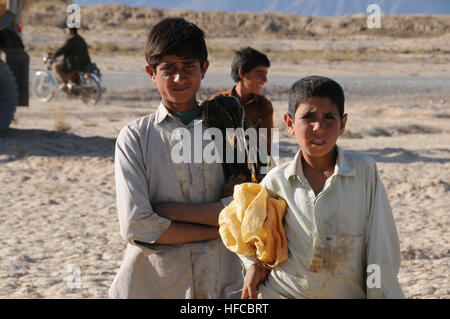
[[42, 87], [8, 96], [90, 90]]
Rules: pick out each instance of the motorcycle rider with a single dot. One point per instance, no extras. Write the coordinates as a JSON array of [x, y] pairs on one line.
[[76, 57]]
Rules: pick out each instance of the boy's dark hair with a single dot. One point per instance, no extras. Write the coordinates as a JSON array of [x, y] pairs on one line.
[[247, 59], [178, 37], [315, 86]]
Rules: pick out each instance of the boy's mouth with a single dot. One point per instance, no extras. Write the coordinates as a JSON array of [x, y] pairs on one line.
[[318, 142], [181, 88]]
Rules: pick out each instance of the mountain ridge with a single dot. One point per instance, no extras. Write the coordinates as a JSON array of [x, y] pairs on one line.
[[264, 25]]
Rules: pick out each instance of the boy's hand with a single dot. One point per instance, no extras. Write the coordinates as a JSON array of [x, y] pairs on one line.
[[255, 275], [233, 181]]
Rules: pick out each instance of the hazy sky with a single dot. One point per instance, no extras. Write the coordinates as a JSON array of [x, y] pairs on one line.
[[304, 7]]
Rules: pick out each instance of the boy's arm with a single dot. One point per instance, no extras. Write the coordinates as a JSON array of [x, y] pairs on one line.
[[204, 213], [255, 275], [179, 233], [383, 248], [138, 222]]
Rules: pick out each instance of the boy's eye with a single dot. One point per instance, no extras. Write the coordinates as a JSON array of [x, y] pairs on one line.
[[168, 68]]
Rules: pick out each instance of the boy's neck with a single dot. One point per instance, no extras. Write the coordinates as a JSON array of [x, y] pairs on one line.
[[244, 95], [181, 107], [322, 164]]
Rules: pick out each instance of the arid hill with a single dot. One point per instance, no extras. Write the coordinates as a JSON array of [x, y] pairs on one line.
[[239, 24]]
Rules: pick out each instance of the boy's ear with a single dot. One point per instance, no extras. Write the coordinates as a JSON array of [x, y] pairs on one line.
[[343, 123], [150, 72], [289, 121], [204, 68], [241, 74]]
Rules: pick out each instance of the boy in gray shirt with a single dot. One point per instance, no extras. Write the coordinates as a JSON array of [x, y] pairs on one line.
[[168, 210]]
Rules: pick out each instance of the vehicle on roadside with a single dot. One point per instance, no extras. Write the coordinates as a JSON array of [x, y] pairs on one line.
[[84, 84], [14, 61]]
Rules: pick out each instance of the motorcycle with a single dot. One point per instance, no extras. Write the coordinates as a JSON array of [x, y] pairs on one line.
[[84, 84]]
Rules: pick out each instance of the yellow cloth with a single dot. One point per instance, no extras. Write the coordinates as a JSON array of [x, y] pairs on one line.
[[252, 225]]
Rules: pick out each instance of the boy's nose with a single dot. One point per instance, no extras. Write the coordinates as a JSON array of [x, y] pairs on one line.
[[180, 75], [264, 79], [318, 125]]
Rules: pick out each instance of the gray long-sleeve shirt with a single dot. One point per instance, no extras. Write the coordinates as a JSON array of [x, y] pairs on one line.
[[146, 174]]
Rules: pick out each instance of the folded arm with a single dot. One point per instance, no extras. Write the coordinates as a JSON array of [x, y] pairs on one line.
[[145, 224], [179, 233], [203, 214]]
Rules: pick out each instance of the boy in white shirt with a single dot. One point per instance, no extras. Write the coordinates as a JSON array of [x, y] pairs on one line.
[[341, 234], [168, 210]]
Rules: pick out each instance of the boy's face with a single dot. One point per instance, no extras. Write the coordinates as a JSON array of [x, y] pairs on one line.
[[316, 126], [178, 80], [255, 79]]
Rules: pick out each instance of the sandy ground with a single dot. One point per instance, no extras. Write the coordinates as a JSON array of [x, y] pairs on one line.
[[57, 197]]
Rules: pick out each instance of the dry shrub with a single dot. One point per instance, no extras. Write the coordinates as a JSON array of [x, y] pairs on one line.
[[61, 126]]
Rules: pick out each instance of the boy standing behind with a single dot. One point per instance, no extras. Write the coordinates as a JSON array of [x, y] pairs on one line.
[[249, 70], [341, 234], [168, 210]]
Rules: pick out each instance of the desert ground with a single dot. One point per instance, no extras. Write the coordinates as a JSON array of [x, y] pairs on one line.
[[57, 196]]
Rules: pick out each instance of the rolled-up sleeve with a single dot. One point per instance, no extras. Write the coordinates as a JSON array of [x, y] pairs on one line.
[[138, 222], [383, 247], [226, 200], [248, 261]]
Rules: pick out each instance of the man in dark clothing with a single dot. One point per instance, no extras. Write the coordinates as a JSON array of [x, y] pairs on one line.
[[76, 57]]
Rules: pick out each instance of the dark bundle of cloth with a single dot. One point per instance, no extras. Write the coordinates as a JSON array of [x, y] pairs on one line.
[[224, 112]]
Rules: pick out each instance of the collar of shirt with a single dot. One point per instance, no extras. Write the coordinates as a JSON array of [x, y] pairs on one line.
[[253, 97], [162, 113], [343, 166]]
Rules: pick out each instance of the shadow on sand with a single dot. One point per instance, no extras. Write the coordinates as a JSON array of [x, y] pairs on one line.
[[16, 144], [400, 155], [384, 155]]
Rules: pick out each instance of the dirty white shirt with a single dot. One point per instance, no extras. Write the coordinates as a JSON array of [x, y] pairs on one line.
[[334, 237], [145, 174]]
